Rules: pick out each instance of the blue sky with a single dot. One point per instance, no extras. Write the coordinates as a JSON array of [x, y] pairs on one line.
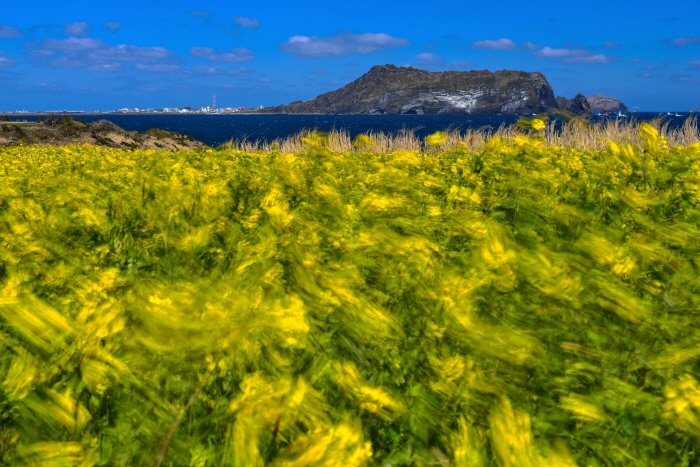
[[87, 55]]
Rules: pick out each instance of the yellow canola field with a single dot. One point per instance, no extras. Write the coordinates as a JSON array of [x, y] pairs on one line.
[[523, 304]]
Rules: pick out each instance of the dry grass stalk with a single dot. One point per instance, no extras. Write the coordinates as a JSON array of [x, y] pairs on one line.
[[577, 133]]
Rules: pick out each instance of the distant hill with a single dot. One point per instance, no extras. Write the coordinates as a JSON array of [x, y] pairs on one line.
[[600, 103], [390, 89]]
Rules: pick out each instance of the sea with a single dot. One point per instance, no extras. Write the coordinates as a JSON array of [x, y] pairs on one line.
[[217, 129]]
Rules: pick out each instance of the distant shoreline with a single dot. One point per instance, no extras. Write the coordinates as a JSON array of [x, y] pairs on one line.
[[173, 114], [92, 114]]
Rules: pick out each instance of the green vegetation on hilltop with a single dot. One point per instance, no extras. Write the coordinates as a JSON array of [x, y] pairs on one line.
[[514, 302]]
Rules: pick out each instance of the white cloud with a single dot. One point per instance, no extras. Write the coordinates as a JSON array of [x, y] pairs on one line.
[[6, 62], [503, 44], [77, 29], [93, 54], [694, 64], [611, 45], [111, 26], [684, 41], [428, 57], [245, 22], [217, 70], [549, 52], [9, 31], [232, 56], [200, 13], [73, 44], [573, 55], [500, 44], [342, 44]]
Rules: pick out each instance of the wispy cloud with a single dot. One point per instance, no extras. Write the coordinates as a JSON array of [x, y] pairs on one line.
[[158, 67], [685, 79], [245, 22], [9, 31], [683, 41], [93, 54], [6, 62], [342, 44], [428, 57], [503, 44], [232, 56], [200, 13], [573, 55], [611, 45], [111, 26], [77, 29], [217, 70], [694, 64], [661, 65], [500, 44]]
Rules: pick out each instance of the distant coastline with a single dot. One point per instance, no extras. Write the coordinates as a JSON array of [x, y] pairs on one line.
[[193, 114], [78, 114], [252, 127]]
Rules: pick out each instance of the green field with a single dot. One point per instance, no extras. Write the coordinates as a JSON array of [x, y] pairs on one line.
[[513, 300]]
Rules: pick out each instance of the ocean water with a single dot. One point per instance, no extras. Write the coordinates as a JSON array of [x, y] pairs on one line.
[[216, 129]]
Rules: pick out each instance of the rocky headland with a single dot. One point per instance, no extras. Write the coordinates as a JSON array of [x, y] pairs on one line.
[[390, 89], [579, 105], [604, 104], [68, 130]]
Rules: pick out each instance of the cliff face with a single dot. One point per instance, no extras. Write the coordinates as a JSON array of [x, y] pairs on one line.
[[578, 105], [392, 90], [600, 103]]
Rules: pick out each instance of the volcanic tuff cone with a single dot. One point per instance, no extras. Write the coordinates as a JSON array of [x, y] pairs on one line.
[[390, 89]]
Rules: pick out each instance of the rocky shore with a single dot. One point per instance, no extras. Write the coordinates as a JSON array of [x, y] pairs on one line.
[[68, 130]]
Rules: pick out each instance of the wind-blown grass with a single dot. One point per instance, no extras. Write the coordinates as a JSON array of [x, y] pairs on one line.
[[499, 301], [576, 133]]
